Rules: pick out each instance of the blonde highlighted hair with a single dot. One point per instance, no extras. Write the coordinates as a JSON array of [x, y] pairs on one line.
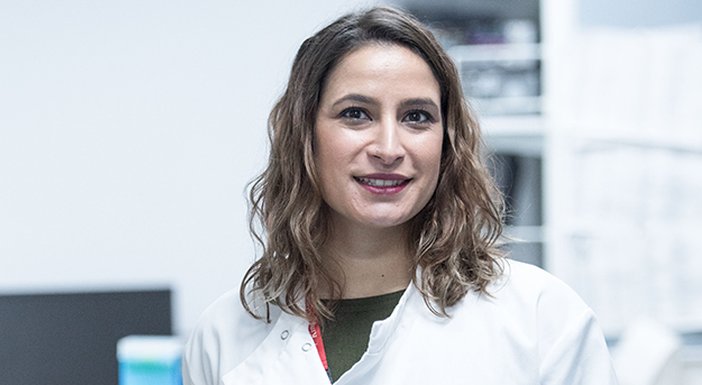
[[453, 238]]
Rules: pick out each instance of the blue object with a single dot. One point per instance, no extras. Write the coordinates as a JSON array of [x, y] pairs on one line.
[[149, 360]]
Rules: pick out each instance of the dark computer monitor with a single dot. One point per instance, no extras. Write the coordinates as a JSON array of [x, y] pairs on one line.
[[70, 338]]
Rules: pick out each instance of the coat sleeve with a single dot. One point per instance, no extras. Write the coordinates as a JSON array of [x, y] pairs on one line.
[[224, 336], [195, 368], [187, 380], [572, 346]]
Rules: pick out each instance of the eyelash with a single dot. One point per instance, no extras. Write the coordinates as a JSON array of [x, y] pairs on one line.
[[345, 113], [426, 116]]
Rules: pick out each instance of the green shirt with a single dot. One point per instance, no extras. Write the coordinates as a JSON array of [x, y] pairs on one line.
[[346, 336]]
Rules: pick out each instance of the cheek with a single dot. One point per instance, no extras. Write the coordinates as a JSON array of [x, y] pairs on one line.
[[433, 165], [339, 148], [431, 155], [331, 160], [322, 146], [329, 157]]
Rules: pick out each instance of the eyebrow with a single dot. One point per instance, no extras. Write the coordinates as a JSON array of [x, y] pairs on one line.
[[412, 102], [355, 98], [418, 102]]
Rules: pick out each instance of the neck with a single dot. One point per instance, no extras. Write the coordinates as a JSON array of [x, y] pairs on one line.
[[369, 262]]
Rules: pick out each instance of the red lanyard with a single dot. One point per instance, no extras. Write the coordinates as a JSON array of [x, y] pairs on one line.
[[316, 333]]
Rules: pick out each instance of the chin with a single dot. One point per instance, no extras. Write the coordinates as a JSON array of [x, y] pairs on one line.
[[387, 223]]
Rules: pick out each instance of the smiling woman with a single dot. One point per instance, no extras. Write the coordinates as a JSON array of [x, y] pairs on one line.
[[380, 225], [378, 143]]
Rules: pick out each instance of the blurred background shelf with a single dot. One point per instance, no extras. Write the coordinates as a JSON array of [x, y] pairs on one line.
[[496, 53], [515, 134], [594, 137]]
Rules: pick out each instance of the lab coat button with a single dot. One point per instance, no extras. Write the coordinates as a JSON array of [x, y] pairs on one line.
[[306, 347], [284, 335]]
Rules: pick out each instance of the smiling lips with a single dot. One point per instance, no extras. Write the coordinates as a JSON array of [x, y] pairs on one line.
[[384, 184]]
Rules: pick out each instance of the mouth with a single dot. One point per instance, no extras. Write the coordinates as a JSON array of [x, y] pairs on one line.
[[378, 182]]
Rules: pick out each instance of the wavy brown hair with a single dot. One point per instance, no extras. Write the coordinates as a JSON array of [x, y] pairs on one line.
[[453, 238]]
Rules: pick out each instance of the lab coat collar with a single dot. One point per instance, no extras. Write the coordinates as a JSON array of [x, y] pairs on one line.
[[288, 354], [398, 320]]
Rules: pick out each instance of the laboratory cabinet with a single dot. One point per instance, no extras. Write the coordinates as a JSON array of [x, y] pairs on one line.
[[592, 124], [624, 149]]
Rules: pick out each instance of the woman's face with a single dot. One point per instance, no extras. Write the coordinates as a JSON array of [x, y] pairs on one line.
[[378, 137]]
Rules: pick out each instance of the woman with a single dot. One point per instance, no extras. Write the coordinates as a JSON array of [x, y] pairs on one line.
[[379, 262]]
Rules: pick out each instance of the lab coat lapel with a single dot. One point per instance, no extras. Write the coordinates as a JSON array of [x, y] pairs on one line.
[[286, 356]]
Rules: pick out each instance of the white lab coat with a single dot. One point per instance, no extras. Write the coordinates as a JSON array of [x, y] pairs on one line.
[[533, 330]]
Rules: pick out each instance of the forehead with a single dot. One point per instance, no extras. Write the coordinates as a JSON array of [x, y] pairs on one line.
[[382, 68]]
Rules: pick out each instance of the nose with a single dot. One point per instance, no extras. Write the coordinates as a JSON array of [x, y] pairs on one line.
[[387, 148]]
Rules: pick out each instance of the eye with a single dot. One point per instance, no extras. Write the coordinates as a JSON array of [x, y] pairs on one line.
[[354, 113], [419, 116]]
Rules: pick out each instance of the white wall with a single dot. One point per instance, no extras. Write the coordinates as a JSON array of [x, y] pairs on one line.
[[128, 131]]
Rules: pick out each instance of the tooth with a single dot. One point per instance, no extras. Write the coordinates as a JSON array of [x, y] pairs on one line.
[[380, 182]]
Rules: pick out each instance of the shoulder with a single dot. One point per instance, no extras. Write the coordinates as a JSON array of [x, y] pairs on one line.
[[525, 299], [530, 286], [223, 337], [569, 341], [531, 302]]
